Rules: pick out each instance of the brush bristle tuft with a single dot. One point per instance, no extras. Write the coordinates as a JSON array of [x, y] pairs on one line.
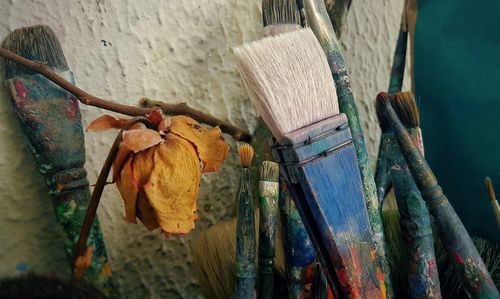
[[406, 109], [380, 102], [276, 12], [269, 171], [34, 43], [246, 155], [288, 80]]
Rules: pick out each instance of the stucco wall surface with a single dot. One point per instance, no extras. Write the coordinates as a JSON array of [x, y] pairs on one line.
[[177, 51]]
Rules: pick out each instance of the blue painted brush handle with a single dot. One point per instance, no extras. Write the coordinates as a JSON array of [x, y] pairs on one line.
[[299, 251], [320, 166], [459, 245]]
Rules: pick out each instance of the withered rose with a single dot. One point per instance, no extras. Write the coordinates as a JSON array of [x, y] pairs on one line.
[[158, 171]]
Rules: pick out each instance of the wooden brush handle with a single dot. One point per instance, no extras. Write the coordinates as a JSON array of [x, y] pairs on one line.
[[473, 273], [398, 62], [299, 252], [382, 179], [245, 240], [415, 223], [268, 211], [51, 120]]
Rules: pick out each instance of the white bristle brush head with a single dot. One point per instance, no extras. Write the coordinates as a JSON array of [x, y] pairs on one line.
[[288, 80]]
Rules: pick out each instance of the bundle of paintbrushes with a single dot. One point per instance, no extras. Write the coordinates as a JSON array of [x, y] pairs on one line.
[[471, 269], [289, 82], [415, 222]]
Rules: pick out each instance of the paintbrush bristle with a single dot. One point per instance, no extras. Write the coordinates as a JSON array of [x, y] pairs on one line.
[[280, 12], [403, 104], [288, 80], [246, 155], [35, 43], [269, 171]]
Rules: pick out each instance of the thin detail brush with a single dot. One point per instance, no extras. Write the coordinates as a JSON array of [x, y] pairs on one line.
[[292, 89], [268, 211], [473, 273], [245, 230], [493, 199]]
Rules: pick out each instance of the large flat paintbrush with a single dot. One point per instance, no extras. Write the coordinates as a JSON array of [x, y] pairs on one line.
[[318, 20], [416, 229], [473, 273], [290, 84], [51, 120]]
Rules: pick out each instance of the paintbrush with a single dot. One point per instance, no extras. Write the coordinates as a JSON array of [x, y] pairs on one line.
[[281, 16], [51, 120], [493, 199], [415, 222], [245, 230], [291, 88], [319, 21], [268, 210], [474, 274], [382, 180]]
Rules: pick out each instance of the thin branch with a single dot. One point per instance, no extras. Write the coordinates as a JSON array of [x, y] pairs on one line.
[[88, 99], [81, 245], [184, 109]]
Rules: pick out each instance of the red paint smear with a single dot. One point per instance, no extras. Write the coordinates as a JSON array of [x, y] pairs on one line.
[[72, 108], [21, 90], [458, 258]]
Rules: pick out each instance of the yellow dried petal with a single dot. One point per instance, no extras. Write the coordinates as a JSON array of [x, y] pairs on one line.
[[105, 122], [145, 212], [140, 139], [173, 186], [210, 145], [128, 190]]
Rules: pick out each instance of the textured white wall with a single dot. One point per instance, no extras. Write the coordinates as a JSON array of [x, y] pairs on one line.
[[175, 50]]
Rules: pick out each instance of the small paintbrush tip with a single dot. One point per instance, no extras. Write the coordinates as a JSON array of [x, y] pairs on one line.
[[489, 187], [288, 80], [380, 102], [35, 43], [246, 155], [280, 12], [406, 109], [403, 104], [269, 171]]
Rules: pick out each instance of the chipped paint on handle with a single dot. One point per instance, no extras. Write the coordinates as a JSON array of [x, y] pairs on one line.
[[245, 240], [473, 273], [51, 120], [415, 222], [268, 211]]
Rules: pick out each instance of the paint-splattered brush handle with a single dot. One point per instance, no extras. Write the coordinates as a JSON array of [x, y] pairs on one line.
[[51, 121], [320, 167], [415, 223], [299, 251], [382, 179], [245, 240], [472, 271], [398, 62], [318, 20], [268, 211]]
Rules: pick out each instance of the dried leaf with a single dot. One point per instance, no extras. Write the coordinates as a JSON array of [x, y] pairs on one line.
[[120, 159], [140, 139], [145, 212], [83, 262], [210, 145], [105, 122], [128, 188], [173, 186]]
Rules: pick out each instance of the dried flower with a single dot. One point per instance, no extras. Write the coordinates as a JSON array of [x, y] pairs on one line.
[[158, 171]]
